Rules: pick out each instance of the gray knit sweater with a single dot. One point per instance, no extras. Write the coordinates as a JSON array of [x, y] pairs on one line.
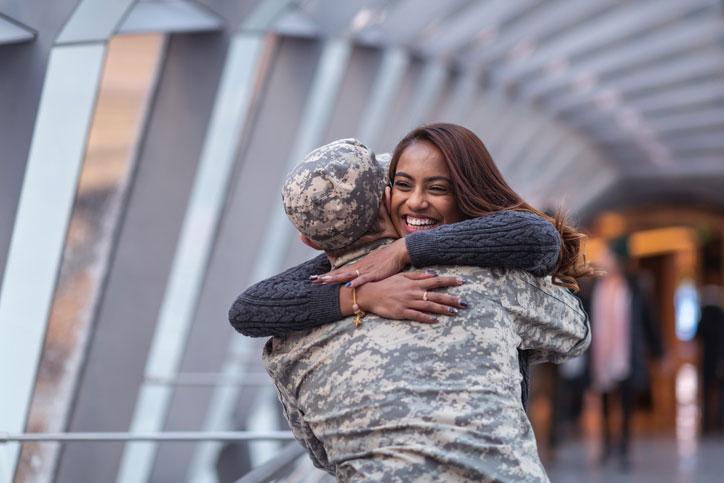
[[288, 302]]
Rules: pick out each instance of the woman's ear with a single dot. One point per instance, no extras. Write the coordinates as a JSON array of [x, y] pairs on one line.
[[308, 242]]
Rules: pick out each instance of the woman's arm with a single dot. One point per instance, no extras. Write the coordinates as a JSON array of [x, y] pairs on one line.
[[287, 302], [507, 239]]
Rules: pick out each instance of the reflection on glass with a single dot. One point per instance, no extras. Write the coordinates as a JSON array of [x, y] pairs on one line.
[[128, 78]]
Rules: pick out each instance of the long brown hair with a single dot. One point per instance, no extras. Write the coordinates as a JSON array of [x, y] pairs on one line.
[[480, 189]]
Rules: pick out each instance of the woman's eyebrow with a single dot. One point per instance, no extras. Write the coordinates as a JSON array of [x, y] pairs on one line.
[[437, 178], [426, 180]]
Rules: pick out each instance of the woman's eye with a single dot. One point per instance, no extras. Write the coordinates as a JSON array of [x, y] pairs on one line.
[[402, 185], [439, 189]]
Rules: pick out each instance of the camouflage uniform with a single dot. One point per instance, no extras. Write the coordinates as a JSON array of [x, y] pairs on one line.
[[404, 401]]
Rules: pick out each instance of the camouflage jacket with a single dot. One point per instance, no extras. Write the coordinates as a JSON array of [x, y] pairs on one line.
[[404, 401]]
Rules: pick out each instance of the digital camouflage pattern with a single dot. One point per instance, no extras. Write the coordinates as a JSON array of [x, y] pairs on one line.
[[334, 194], [405, 401]]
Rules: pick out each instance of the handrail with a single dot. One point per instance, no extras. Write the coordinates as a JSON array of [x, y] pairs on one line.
[[270, 470], [211, 379], [102, 436]]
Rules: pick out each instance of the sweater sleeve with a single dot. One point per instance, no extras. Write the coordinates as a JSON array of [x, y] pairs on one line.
[[287, 302], [507, 239]]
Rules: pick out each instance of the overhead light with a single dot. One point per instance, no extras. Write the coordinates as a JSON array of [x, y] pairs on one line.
[[522, 50], [556, 67], [608, 99], [584, 83], [645, 133], [629, 119], [658, 153], [431, 29], [366, 17], [485, 36]]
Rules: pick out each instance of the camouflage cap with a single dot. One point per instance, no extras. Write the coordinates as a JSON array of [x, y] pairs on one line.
[[334, 194]]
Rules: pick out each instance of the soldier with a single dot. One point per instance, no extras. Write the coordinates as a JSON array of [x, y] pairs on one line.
[[383, 401]]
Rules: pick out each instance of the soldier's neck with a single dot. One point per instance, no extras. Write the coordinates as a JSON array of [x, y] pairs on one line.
[[357, 253]]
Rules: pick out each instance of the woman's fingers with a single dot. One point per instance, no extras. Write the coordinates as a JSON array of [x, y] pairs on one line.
[[419, 275], [438, 282], [366, 277], [335, 276], [416, 316], [433, 307], [448, 301]]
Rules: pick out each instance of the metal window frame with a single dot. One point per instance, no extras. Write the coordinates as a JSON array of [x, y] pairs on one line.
[[194, 249], [318, 109], [46, 201]]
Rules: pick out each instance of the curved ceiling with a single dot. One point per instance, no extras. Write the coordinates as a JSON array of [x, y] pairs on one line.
[[639, 85]]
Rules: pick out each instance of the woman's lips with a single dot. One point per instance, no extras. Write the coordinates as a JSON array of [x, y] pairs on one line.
[[418, 223]]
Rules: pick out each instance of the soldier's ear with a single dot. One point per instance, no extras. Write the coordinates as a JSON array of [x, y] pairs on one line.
[[308, 242]]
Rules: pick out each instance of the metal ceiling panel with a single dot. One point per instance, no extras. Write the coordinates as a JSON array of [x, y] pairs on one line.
[[405, 19], [697, 142], [662, 43], [681, 69], [458, 31], [12, 32], [93, 20], [534, 26], [337, 18], [622, 21], [169, 16]]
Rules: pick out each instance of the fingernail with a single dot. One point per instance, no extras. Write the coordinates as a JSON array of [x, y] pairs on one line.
[[313, 277], [433, 272], [326, 277], [452, 310], [348, 284], [460, 280], [433, 319], [463, 303]]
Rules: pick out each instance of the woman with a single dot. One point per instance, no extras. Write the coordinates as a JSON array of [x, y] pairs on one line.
[[441, 174]]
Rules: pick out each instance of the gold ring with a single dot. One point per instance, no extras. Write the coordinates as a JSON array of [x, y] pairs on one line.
[[424, 296], [357, 271]]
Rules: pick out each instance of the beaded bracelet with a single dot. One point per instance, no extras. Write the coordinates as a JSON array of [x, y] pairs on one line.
[[359, 312]]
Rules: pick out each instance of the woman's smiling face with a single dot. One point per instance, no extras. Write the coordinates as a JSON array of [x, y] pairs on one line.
[[422, 191]]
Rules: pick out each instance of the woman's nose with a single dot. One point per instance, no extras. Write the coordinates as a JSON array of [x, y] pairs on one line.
[[417, 200]]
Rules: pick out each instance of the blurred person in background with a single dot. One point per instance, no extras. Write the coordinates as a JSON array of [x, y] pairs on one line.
[[710, 335], [625, 333]]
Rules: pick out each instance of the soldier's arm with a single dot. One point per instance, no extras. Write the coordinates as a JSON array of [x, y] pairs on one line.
[[550, 321], [302, 432]]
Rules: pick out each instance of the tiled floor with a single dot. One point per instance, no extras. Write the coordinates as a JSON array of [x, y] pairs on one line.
[[655, 460]]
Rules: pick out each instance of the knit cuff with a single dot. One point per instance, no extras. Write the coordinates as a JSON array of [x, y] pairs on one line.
[[421, 248], [324, 303]]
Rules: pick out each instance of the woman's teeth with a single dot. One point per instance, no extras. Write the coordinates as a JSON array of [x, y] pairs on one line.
[[420, 222]]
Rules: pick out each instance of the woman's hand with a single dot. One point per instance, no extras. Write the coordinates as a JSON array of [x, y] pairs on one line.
[[409, 296], [377, 265]]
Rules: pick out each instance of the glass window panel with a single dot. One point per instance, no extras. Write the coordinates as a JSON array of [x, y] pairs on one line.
[[126, 85]]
